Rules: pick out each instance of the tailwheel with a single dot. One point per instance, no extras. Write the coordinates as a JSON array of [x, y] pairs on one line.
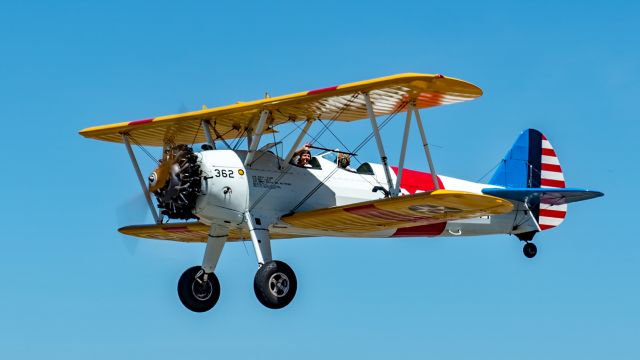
[[530, 250], [275, 284], [198, 291]]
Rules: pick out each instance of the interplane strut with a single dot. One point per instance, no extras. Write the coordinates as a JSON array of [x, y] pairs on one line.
[[143, 184]]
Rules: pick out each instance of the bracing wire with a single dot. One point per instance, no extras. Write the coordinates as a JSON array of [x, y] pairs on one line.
[[195, 136], [489, 172], [144, 149], [337, 115], [360, 146], [240, 139]]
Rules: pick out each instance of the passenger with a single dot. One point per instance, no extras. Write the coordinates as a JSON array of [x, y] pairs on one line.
[[303, 157], [344, 160]]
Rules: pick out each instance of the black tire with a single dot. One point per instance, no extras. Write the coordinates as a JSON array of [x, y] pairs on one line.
[[275, 284], [530, 250], [196, 295]]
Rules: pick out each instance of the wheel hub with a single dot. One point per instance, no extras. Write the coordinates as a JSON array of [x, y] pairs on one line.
[[279, 284], [202, 290]]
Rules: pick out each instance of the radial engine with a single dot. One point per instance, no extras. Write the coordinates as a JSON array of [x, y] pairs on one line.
[[176, 182]]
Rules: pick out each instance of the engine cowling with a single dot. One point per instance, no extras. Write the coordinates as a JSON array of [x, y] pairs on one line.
[[225, 189]]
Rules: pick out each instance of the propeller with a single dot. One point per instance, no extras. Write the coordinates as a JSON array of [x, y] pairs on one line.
[[130, 212]]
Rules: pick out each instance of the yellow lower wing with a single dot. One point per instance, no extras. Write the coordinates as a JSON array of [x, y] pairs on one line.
[[186, 232], [399, 212]]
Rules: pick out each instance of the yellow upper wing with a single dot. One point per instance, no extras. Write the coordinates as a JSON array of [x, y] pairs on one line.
[[343, 103], [399, 212]]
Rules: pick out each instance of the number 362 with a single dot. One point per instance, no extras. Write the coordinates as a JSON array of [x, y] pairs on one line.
[[223, 173]]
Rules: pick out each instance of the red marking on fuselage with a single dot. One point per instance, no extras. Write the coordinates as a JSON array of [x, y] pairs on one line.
[[423, 230], [138, 122], [317, 91], [413, 180]]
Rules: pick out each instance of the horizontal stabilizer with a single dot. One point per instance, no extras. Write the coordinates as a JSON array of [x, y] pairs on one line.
[[550, 196]]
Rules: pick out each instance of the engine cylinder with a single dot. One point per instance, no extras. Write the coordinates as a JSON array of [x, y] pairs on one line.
[[176, 182]]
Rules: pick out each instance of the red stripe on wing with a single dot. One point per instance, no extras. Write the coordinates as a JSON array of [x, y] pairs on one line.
[[423, 230], [138, 122], [317, 91]]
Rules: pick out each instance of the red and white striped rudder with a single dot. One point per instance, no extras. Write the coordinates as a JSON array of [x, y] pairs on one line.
[[551, 176]]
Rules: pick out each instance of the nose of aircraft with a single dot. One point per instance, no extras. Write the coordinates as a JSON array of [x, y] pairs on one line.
[[159, 177]]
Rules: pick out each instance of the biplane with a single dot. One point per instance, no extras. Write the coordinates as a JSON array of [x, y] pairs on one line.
[[223, 193]]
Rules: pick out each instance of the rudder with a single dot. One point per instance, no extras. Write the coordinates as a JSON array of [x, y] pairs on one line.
[[532, 163]]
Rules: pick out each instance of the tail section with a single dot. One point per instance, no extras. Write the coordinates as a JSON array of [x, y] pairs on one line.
[[532, 163]]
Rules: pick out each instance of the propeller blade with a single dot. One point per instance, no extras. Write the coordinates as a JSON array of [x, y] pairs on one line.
[[131, 212]]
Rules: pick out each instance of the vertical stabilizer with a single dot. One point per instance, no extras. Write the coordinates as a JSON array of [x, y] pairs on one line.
[[532, 163]]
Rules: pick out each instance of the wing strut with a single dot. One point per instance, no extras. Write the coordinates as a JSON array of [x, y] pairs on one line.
[[432, 169], [403, 150], [255, 140], [383, 156], [143, 184], [207, 133]]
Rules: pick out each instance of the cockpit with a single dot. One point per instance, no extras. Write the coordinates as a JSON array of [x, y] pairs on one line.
[[326, 158]]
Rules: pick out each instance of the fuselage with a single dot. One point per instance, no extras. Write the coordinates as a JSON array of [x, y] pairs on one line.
[[229, 188]]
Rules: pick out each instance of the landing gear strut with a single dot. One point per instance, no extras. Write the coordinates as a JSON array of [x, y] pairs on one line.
[[530, 250], [198, 287]]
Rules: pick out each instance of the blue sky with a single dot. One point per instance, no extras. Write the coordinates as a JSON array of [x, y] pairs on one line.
[[72, 287]]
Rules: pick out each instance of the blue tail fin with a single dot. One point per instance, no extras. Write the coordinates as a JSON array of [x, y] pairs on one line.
[[530, 163]]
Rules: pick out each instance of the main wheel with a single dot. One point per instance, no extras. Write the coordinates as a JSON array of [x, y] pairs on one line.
[[275, 284], [530, 250], [197, 294]]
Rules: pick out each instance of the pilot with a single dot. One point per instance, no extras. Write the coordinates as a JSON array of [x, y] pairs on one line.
[[303, 157]]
